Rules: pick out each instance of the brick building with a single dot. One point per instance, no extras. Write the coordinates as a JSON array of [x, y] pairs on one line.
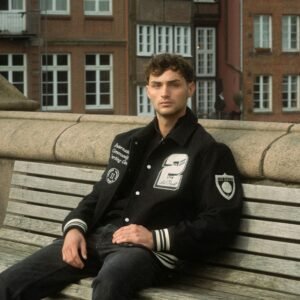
[[88, 55], [271, 60]]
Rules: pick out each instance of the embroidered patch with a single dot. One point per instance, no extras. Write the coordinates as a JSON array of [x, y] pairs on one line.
[[112, 175], [226, 185], [170, 176]]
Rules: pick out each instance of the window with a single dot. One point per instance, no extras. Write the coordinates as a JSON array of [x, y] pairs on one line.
[[98, 7], [154, 39], [145, 40], [206, 97], [55, 7], [11, 5], [13, 68], [262, 32], [291, 93], [144, 106], [262, 95], [205, 51], [55, 82], [98, 81], [290, 33]]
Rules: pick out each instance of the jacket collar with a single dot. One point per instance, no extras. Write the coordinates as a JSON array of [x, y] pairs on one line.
[[181, 132]]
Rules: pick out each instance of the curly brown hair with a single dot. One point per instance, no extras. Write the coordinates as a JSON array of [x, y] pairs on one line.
[[160, 63]]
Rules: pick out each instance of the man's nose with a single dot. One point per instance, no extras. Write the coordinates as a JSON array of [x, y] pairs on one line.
[[165, 92]]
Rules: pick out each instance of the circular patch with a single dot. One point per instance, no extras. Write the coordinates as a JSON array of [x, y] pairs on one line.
[[112, 175], [226, 187]]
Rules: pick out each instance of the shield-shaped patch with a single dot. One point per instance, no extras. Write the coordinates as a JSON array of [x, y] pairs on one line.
[[226, 185]]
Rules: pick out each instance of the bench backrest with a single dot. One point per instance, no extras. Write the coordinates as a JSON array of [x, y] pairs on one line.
[[267, 247]]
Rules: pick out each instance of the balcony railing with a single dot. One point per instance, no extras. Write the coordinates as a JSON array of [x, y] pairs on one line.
[[19, 23]]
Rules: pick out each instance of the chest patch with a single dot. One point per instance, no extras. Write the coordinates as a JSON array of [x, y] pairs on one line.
[[226, 185], [170, 176], [112, 175]]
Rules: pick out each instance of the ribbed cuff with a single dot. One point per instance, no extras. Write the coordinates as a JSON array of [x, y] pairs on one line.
[[75, 223], [161, 239]]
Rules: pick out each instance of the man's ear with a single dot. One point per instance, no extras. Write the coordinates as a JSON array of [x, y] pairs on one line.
[[191, 88]]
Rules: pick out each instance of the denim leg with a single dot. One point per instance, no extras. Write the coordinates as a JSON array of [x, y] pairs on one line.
[[40, 275], [125, 271]]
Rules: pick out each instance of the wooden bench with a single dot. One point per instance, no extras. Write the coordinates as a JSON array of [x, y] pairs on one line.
[[263, 263]]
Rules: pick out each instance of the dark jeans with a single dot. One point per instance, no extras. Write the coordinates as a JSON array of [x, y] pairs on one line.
[[119, 270]]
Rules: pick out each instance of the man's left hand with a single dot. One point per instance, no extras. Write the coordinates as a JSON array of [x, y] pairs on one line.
[[135, 234]]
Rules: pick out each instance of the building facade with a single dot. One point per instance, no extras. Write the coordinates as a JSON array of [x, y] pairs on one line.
[[88, 56], [271, 60]]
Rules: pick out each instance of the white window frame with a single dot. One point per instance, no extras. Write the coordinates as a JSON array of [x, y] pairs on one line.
[[261, 28], [54, 10], [145, 40], [182, 40], [287, 88], [287, 33], [154, 39], [55, 68], [97, 11], [144, 105], [163, 39], [10, 69], [206, 51], [262, 92], [205, 97], [98, 68]]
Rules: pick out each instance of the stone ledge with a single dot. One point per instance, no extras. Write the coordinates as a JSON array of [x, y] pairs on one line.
[[262, 150]]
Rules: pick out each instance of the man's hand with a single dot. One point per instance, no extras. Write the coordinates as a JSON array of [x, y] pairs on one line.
[[74, 248], [135, 234]]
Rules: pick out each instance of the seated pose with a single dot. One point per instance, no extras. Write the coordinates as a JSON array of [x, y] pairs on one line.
[[170, 193]]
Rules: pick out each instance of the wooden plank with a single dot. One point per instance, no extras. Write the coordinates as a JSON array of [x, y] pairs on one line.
[[42, 212], [44, 198], [61, 171], [270, 229], [264, 264], [255, 280], [272, 193], [34, 225], [26, 238], [267, 247], [271, 211], [54, 185]]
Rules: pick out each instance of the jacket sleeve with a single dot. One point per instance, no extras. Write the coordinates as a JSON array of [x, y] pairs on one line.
[[217, 203], [82, 216]]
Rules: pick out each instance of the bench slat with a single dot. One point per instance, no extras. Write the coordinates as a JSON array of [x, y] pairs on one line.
[[267, 247], [266, 265], [53, 185], [47, 213], [270, 211], [26, 238], [270, 229], [245, 278], [272, 193], [44, 198], [61, 171], [29, 224]]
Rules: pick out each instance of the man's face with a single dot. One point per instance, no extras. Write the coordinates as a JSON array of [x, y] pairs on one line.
[[169, 93]]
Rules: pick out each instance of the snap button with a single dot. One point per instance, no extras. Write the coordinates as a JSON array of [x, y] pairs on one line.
[[126, 220], [148, 167], [137, 193]]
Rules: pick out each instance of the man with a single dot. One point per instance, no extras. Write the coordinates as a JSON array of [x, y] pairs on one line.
[[170, 193]]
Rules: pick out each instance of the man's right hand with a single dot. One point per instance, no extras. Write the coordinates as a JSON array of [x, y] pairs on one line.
[[74, 248]]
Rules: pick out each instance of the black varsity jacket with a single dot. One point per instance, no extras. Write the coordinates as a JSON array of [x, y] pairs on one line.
[[188, 192]]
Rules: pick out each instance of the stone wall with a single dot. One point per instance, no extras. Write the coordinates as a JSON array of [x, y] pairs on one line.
[[263, 151]]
